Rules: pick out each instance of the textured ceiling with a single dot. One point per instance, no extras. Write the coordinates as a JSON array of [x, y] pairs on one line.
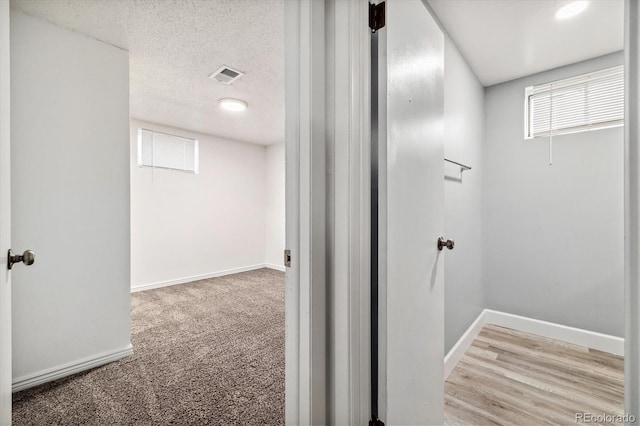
[[507, 39], [175, 44]]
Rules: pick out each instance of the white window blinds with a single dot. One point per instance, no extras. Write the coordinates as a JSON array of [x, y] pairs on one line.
[[586, 102], [162, 150]]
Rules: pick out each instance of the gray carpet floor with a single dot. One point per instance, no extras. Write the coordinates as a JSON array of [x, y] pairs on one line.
[[209, 352]]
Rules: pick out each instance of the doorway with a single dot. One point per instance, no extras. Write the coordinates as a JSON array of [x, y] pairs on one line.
[[93, 298]]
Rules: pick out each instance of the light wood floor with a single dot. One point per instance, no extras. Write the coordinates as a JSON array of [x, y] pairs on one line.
[[507, 377]]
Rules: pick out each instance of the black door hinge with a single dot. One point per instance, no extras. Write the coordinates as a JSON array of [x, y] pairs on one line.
[[376, 16], [376, 422]]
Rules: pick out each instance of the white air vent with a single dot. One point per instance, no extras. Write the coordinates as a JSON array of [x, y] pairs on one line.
[[226, 75]]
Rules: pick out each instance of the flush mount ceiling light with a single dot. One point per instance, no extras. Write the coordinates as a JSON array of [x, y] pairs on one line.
[[231, 104], [571, 9]]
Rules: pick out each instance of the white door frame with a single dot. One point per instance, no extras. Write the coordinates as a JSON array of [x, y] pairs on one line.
[[327, 214], [348, 114], [632, 209], [5, 216], [305, 289]]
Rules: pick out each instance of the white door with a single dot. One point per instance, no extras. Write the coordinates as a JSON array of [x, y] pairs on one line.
[[64, 192], [411, 215], [5, 220], [70, 163]]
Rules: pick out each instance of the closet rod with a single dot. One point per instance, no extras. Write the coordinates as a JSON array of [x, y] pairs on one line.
[[464, 167]]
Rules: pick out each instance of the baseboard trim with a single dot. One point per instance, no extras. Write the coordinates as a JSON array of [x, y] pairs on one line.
[[577, 336], [456, 353], [65, 370], [276, 267], [198, 277]]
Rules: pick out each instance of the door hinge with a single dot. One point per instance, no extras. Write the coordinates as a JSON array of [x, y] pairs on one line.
[[287, 258], [376, 16]]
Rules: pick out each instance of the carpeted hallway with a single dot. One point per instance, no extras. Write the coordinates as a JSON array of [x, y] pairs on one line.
[[209, 352]]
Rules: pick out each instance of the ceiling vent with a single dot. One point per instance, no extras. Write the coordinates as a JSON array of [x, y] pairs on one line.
[[226, 75]]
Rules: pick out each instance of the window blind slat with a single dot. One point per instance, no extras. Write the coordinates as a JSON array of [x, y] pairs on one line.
[[579, 103], [161, 150]]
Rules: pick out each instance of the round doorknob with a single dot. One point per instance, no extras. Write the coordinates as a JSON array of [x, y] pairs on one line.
[[442, 243], [28, 258]]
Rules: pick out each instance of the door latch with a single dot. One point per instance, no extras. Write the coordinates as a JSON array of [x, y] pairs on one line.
[[287, 258]]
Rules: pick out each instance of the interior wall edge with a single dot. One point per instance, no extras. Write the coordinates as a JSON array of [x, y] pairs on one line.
[[464, 122], [448, 37]]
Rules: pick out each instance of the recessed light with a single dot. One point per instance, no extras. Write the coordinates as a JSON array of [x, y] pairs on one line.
[[571, 9], [231, 104]]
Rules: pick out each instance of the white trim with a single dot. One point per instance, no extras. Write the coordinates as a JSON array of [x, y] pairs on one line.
[[68, 369], [135, 289], [276, 267], [456, 353], [347, 51], [576, 336], [632, 208], [305, 147], [5, 213]]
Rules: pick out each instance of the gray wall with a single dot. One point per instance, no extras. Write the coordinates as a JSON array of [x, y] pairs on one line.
[[554, 234], [464, 136]]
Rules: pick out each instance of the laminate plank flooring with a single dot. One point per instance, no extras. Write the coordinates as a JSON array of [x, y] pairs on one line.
[[508, 377]]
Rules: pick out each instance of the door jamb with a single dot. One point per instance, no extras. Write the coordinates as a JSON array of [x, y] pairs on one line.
[[327, 134], [305, 287], [632, 209]]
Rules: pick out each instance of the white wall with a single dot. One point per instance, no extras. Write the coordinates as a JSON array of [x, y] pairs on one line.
[[554, 234], [70, 203], [464, 142], [275, 216], [185, 226]]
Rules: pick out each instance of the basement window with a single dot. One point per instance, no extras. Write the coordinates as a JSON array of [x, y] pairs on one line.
[[167, 151], [585, 102]]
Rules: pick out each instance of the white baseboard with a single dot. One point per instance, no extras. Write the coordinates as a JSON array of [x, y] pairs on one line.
[[276, 267], [457, 351], [577, 336], [199, 277], [25, 382]]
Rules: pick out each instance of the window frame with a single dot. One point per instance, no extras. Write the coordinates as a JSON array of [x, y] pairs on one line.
[[558, 84], [196, 152]]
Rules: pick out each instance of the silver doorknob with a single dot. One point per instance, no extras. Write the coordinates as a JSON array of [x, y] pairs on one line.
[[28, 257], [442, 243]]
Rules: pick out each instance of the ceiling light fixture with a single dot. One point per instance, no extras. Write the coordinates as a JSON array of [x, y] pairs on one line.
[[571, 9], [231, 104]]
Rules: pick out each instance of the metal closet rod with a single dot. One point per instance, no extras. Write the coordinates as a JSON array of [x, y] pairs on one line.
[[464, 166]]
